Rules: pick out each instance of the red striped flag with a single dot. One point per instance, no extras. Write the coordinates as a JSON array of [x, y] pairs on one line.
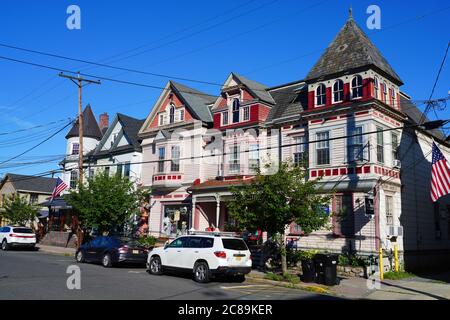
[[440, 175], [60, 187]]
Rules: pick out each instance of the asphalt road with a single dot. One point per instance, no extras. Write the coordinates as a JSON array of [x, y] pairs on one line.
[[35, 275]]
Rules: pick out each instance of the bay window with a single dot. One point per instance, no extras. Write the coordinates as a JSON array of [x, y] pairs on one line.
[[175, 163], [234, 164], [380, 145], [161, 158]]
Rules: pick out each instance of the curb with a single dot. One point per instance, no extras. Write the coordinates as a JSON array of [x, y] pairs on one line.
[[305, 287], [52, 251]]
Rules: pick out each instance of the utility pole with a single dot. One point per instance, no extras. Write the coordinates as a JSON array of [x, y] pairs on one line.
[[78, 80]]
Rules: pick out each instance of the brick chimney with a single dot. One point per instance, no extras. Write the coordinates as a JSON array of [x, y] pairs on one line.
[[103, 121]]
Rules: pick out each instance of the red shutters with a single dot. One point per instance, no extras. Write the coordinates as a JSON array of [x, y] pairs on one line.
[[217, 120], [346, 91], [399, 105], [328, 103], [311, 102]]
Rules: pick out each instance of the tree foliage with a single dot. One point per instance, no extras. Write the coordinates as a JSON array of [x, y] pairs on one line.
[[18, 210], [271, 202], [105, 201]]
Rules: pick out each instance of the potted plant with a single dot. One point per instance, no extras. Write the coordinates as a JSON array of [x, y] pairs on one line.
[[308, 266]]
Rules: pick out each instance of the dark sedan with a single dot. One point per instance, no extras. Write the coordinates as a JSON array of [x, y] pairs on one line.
[[110, 251]]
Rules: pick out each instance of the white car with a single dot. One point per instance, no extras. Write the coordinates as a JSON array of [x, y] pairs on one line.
[[205, 256], [17, 237]]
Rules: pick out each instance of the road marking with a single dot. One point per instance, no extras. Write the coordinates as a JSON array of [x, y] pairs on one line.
[[247, 286], [136, 272]]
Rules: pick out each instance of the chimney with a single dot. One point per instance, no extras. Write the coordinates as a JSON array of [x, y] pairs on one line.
[[103, 121]]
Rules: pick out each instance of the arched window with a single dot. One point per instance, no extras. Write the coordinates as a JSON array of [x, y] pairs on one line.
[[376, 87], [236, 106], [338, 91], [172, 114], [321, 95], [357, 87]]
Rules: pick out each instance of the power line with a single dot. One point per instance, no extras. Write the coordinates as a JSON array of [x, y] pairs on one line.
[[36, 146], [32, 128]]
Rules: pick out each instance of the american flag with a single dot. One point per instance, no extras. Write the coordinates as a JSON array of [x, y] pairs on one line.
[[440, 175], [60, 187]]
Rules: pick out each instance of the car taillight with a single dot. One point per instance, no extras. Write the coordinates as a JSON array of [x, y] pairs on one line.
[[123, 249], [12, 235], [221, 254]]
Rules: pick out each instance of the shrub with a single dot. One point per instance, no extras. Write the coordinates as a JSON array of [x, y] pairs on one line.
[[397, 275], [148, 242]]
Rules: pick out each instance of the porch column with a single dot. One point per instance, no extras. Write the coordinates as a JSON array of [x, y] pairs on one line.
[[217, 211], [194, 204]]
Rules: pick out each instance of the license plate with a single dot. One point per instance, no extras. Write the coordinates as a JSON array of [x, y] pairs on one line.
[[238, 258], [135, 251]]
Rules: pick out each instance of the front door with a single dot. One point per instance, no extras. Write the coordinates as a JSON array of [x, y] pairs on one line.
[[175, 252]]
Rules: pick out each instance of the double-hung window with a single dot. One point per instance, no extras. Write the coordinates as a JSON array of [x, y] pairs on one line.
[[182, 115], [357, 87], [75, 149], [300, 154], [175, 163], [127, 170], [356, 147], [236, 110], [321, 95], [172, 114], [385, 93], [73, 179], [161, 119], [338, 91], [323, 148], [389, 210], [393, 101], [376, 87], [253, 157], [235, 166], [246, 113], [225, 118], [394, 146], [380, 145], [161, 158]]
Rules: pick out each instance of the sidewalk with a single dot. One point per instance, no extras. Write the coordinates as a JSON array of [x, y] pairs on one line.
[[425, 287], [56, 250]]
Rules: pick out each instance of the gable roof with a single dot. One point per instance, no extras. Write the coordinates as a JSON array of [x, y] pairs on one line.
[[196, 100], [351, 49], [291, 100], [130, 130], [90, 126], [30, 183], [257, 89]]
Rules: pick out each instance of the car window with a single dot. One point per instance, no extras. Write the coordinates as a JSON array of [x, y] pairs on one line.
[[195, 242], [23, 230], [234, 244], [207, 242], [179, 243], [6, 229], [104, 242], [96, 242]]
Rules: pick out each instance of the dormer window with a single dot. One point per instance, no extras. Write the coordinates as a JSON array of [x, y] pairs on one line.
[[376, 86], [357, 87], [172, 114], [321, 95], [246, 113], [236, 113], [225, 118], [338, 91]]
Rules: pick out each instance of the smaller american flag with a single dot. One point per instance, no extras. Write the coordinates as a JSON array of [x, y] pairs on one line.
[[440, 175], [60, 187]]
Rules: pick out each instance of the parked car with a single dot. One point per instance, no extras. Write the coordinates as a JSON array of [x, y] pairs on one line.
[[18, 237], [204, 256], [110, 251]]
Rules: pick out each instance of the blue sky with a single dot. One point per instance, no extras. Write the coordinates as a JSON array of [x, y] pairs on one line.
[[270, 41]]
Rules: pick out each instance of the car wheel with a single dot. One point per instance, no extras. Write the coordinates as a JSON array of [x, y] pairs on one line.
[[5, 245], [239, 278], [107, 261], [201, 272], [80, 257], [155, 266]]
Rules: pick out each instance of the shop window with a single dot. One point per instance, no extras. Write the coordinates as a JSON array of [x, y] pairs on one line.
[[176, 219]]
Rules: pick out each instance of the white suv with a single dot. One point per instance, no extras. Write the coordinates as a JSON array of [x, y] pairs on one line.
[[203, 255], [17, 237]]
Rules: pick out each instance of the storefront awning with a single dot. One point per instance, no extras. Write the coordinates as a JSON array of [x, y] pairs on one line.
[[57, 203]]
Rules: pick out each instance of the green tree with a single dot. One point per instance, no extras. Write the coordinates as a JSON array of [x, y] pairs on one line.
[[271, 202], [105, 201], [18, 210]]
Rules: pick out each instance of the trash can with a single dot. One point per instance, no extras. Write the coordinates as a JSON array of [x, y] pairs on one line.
[[326, 269], [308, 271]]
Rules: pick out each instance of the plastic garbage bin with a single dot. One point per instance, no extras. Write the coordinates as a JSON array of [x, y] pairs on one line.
[[308, 270], [326, 269]]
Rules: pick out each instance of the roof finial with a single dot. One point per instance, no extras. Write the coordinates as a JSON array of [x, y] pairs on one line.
[[350, 13]]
